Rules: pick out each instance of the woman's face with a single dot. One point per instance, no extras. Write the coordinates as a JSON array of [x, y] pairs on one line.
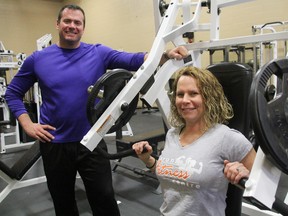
[[189, 102]]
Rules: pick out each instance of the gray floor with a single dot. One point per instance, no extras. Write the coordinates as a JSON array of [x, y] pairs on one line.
[[136, 194]]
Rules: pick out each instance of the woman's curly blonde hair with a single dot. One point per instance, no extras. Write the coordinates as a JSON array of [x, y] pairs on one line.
[[217, 107]]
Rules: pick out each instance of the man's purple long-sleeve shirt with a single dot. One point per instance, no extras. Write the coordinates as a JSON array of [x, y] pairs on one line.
[[64, 76]]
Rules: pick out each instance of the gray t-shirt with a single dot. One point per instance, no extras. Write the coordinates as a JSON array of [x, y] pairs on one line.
[[192, 178]]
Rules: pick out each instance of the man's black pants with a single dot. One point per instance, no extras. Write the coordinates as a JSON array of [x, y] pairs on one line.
[[61, 163]]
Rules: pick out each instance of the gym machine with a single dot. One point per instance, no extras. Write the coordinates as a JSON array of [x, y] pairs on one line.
[[43, 42], [8, 63], [115, 110], [14, 175], [264, 52], [18, 137], [268, 50]]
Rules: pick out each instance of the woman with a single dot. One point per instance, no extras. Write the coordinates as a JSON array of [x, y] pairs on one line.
[[201, 154]]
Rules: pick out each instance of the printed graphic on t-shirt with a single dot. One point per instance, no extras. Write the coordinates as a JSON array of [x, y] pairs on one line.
[[180, 170]]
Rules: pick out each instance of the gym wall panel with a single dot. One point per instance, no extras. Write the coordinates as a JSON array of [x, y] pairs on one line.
[[238, 20], [122, 24], [24, 21]]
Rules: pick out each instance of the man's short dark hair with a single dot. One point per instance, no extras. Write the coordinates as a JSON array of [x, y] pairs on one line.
[[71, 7]]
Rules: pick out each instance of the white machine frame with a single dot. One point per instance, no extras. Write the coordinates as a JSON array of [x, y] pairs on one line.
[[42, 43], [269, 27], [13, 184], [267, 54], [7, 61], [169, 32]]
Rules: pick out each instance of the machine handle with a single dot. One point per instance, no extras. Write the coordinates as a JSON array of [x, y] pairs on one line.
[[242, 182], [272, 23], [126, 153]]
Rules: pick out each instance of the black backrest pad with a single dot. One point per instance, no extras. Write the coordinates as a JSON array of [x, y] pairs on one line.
[[236, 79]]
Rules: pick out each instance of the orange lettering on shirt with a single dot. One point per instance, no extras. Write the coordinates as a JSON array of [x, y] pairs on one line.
[[170, 170]]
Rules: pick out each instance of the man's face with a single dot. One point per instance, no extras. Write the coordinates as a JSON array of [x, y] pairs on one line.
[[70, 28]]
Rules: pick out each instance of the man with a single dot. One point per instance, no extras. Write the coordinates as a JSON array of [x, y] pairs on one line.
[[64, 71]]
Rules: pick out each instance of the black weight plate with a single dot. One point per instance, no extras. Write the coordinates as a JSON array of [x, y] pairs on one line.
[[270, 116], [111, 83]]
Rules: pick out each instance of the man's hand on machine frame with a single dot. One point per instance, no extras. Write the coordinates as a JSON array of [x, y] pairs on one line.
[[35, 130], [177, 53]]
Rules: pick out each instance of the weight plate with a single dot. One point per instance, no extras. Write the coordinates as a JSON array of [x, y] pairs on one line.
[[270, 115], [109, 85]]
